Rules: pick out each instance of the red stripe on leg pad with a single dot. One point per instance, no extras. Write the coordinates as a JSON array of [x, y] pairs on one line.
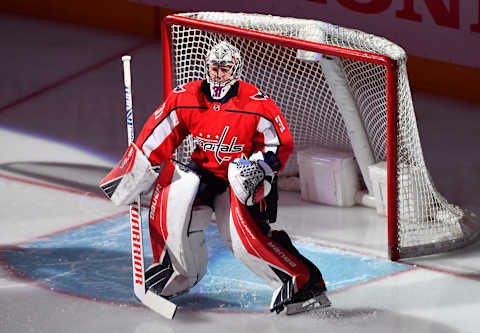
[[158, 211], [259, 245]]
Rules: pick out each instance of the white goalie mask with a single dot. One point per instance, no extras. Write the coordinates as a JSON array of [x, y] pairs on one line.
[[223, 66]]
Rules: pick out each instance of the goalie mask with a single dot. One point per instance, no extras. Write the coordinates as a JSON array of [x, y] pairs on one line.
[[223, 67]]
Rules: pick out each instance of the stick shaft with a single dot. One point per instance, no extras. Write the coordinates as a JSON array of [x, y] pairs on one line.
[[149, 299], [136, 232], [128, 98]]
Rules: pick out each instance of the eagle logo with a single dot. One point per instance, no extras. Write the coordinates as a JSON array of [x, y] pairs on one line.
[[179, 89], [259, 96]]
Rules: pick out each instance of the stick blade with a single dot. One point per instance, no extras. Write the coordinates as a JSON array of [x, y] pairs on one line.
[[159, 304]]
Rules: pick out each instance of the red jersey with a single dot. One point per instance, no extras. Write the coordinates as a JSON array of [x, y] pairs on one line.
[[243, 122]]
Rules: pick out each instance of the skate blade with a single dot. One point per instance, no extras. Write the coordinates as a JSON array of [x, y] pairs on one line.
[[315, 303]]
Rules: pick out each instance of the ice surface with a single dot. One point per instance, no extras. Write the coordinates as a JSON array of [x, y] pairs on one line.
[[64, 264]]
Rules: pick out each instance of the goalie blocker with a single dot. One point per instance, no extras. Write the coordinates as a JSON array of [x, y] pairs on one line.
[[132, 176]]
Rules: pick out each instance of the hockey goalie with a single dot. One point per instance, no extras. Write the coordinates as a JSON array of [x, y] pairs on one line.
[[241, 143]]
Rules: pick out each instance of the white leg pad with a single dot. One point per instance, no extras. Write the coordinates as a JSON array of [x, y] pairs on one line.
[[186, 239], [201, 217]]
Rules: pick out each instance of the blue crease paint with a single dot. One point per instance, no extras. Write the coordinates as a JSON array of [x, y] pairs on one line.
[[94, 261]]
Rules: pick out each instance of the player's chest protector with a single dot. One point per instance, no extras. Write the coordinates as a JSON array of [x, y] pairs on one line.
[[222, 132]]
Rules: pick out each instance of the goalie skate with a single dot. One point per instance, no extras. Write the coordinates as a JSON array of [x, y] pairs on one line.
[[319, 301]]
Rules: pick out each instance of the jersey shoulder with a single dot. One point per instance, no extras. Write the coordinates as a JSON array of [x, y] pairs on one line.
[[250, 92], [192, 87], [186, 93], [253, 98]]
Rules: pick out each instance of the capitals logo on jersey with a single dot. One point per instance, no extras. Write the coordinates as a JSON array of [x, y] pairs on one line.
[[259, 96], [218, 146], [179, 89]]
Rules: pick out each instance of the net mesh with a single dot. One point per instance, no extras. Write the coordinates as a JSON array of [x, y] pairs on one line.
[[427, 223]]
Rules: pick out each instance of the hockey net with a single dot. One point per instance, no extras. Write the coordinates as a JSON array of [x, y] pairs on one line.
[[373, 72]]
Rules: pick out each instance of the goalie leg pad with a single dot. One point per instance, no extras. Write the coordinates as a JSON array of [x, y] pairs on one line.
[[251, 245], [269, 254], [131, 176], [177, 228]]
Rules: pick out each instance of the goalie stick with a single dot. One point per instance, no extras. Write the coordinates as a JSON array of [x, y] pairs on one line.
[[147, 297]]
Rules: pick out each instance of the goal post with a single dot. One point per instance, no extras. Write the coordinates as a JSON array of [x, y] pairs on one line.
[[332, 84]]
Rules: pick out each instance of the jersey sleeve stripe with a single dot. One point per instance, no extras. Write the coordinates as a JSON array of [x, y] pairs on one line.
[[273, 149], [160, 133], [163, 128], [270, 137]]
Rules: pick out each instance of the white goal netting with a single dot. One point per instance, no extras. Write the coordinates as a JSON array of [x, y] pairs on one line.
[[293, 78]]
